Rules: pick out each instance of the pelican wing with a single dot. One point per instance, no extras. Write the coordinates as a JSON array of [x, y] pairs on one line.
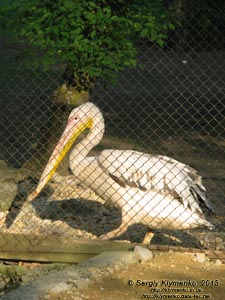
[[155, 172]]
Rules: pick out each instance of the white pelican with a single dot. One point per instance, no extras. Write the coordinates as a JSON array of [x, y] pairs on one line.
[[154, 190]]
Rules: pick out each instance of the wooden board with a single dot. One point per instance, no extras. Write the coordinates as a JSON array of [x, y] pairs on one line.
[[35, 248], [54, 249]]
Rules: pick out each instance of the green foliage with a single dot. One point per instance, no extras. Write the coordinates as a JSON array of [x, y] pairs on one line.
[[96, 38]]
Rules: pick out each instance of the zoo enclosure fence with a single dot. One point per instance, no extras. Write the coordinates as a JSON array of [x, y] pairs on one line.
[[174, 105]]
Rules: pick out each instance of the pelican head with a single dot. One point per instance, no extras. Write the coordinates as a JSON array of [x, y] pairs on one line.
[[86, 116]]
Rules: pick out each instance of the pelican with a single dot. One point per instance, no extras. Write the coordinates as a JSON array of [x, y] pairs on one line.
[[154, 190]]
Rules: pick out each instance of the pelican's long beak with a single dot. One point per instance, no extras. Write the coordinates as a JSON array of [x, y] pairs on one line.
[[72, 131]]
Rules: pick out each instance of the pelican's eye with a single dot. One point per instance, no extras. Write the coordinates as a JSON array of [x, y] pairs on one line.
[[76, 118]]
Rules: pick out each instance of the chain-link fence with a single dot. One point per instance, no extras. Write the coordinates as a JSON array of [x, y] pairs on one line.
[[171, 108]]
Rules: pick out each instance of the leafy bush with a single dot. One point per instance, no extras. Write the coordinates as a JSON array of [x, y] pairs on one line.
[[94, 38]]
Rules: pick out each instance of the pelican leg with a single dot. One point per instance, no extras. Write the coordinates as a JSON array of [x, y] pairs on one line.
[[114, 233], [148, 237]]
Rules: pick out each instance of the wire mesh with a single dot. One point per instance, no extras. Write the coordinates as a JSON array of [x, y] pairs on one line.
[[173, 106]]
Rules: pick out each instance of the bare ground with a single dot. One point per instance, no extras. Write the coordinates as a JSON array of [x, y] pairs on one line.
[[169, 275], [174, 267]]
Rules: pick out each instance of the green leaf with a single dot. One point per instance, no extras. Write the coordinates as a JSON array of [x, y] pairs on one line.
[[97, 38], [68, 3]]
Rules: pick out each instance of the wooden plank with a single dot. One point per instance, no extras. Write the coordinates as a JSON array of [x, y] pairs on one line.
[[54, 249], [44, 257], [32, 247]]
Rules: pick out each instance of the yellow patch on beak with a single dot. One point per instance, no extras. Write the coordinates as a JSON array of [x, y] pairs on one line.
[[89, 123], [65, 143], [70, 142]]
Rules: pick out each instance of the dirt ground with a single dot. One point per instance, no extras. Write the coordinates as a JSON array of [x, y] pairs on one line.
[[167, 276]]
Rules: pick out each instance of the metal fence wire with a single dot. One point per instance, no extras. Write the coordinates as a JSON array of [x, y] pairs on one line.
[[164, 130]]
